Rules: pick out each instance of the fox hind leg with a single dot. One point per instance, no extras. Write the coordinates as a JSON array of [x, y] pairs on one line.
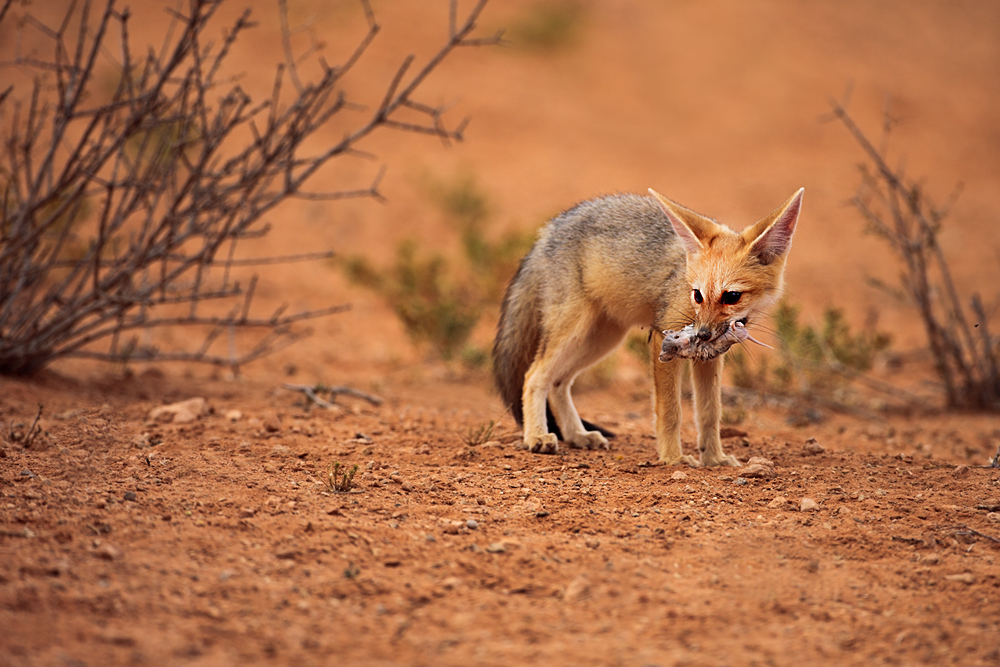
[[567, 351]]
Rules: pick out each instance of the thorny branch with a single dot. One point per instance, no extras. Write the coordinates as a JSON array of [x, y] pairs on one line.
[[966, 354], [313, 393], [121, 212]]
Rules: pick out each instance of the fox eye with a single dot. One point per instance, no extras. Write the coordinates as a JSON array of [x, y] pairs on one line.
[[698, 297], [731, 298]]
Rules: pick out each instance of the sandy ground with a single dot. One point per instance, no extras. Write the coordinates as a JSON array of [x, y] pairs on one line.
[[130, 540]]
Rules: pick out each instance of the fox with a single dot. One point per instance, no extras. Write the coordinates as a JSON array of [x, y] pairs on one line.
[[610, 264]]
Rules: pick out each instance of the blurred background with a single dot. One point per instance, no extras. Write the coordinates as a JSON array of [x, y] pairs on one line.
[[721, 105]]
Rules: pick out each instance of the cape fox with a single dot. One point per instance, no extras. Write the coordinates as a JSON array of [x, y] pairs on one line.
[[613, 263]]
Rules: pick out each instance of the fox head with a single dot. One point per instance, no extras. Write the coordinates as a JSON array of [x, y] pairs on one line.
[[733, 277]]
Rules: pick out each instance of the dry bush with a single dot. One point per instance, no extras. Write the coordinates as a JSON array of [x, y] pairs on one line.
[[898, 210], [121, 215]]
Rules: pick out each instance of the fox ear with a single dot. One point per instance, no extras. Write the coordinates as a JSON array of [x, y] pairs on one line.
[[771, 238], [693, 229]]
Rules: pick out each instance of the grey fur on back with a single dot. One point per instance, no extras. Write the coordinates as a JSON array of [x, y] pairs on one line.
[[627, 231]]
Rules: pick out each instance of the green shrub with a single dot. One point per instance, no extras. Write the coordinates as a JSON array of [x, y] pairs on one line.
[[547, 25], [440, 301], [807, 357]]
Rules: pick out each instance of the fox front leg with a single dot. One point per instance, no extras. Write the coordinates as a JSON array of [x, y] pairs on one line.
[[707, 377], [667, 407]]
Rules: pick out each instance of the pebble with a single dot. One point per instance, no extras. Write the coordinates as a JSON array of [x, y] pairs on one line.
[[472, 524], [272, 423], [994, 517], [130, 496], [812, 447], [808, 505], [964, 577], [234, 415], [496, 548], [678, 475], [759, 468], [592, 543], [107, 552], [778, 502], [408, 486], [181, 412], [960, 471]]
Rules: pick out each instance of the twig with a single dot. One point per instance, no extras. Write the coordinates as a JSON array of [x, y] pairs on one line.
[[32, 433], [312, 391], [962, 529]]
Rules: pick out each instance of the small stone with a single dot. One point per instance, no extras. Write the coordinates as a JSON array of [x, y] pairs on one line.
[[812, 447], [107, 552], [779, 502], [130, 496], [742, 481], [181, 412], [993, 517], [964, 577], [430, 538], [472, 524], [960, 471], [272, 423], [759, 468], [592, 543], [678, 475], [247, 512], [270, 467], [451, 583], [287, 554], [808, 505], [234, 415], [480, 500], [280, 450], [931, 559], [408, 486], [496, 548]]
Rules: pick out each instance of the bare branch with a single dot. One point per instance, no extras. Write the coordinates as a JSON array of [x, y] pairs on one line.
[[900, 212], [117, 212]]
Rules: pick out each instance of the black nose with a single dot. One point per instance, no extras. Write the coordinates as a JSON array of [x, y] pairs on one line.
[[704, 333]]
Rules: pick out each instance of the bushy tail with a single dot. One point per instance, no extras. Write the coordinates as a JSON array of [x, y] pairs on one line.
[[519, 332]]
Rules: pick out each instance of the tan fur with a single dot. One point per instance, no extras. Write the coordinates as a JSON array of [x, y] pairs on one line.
[[611, 264]]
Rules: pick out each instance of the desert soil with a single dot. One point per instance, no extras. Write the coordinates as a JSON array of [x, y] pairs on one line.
[[860, 536]]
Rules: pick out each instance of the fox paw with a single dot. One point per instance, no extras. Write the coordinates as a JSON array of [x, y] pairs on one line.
[[685, 459], [720, 460], [542, 444], [588, 440]]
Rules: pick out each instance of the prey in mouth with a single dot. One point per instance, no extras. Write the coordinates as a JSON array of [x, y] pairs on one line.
[[686, 344]]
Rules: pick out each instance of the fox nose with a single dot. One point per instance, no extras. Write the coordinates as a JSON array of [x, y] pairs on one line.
[[704, 334]]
